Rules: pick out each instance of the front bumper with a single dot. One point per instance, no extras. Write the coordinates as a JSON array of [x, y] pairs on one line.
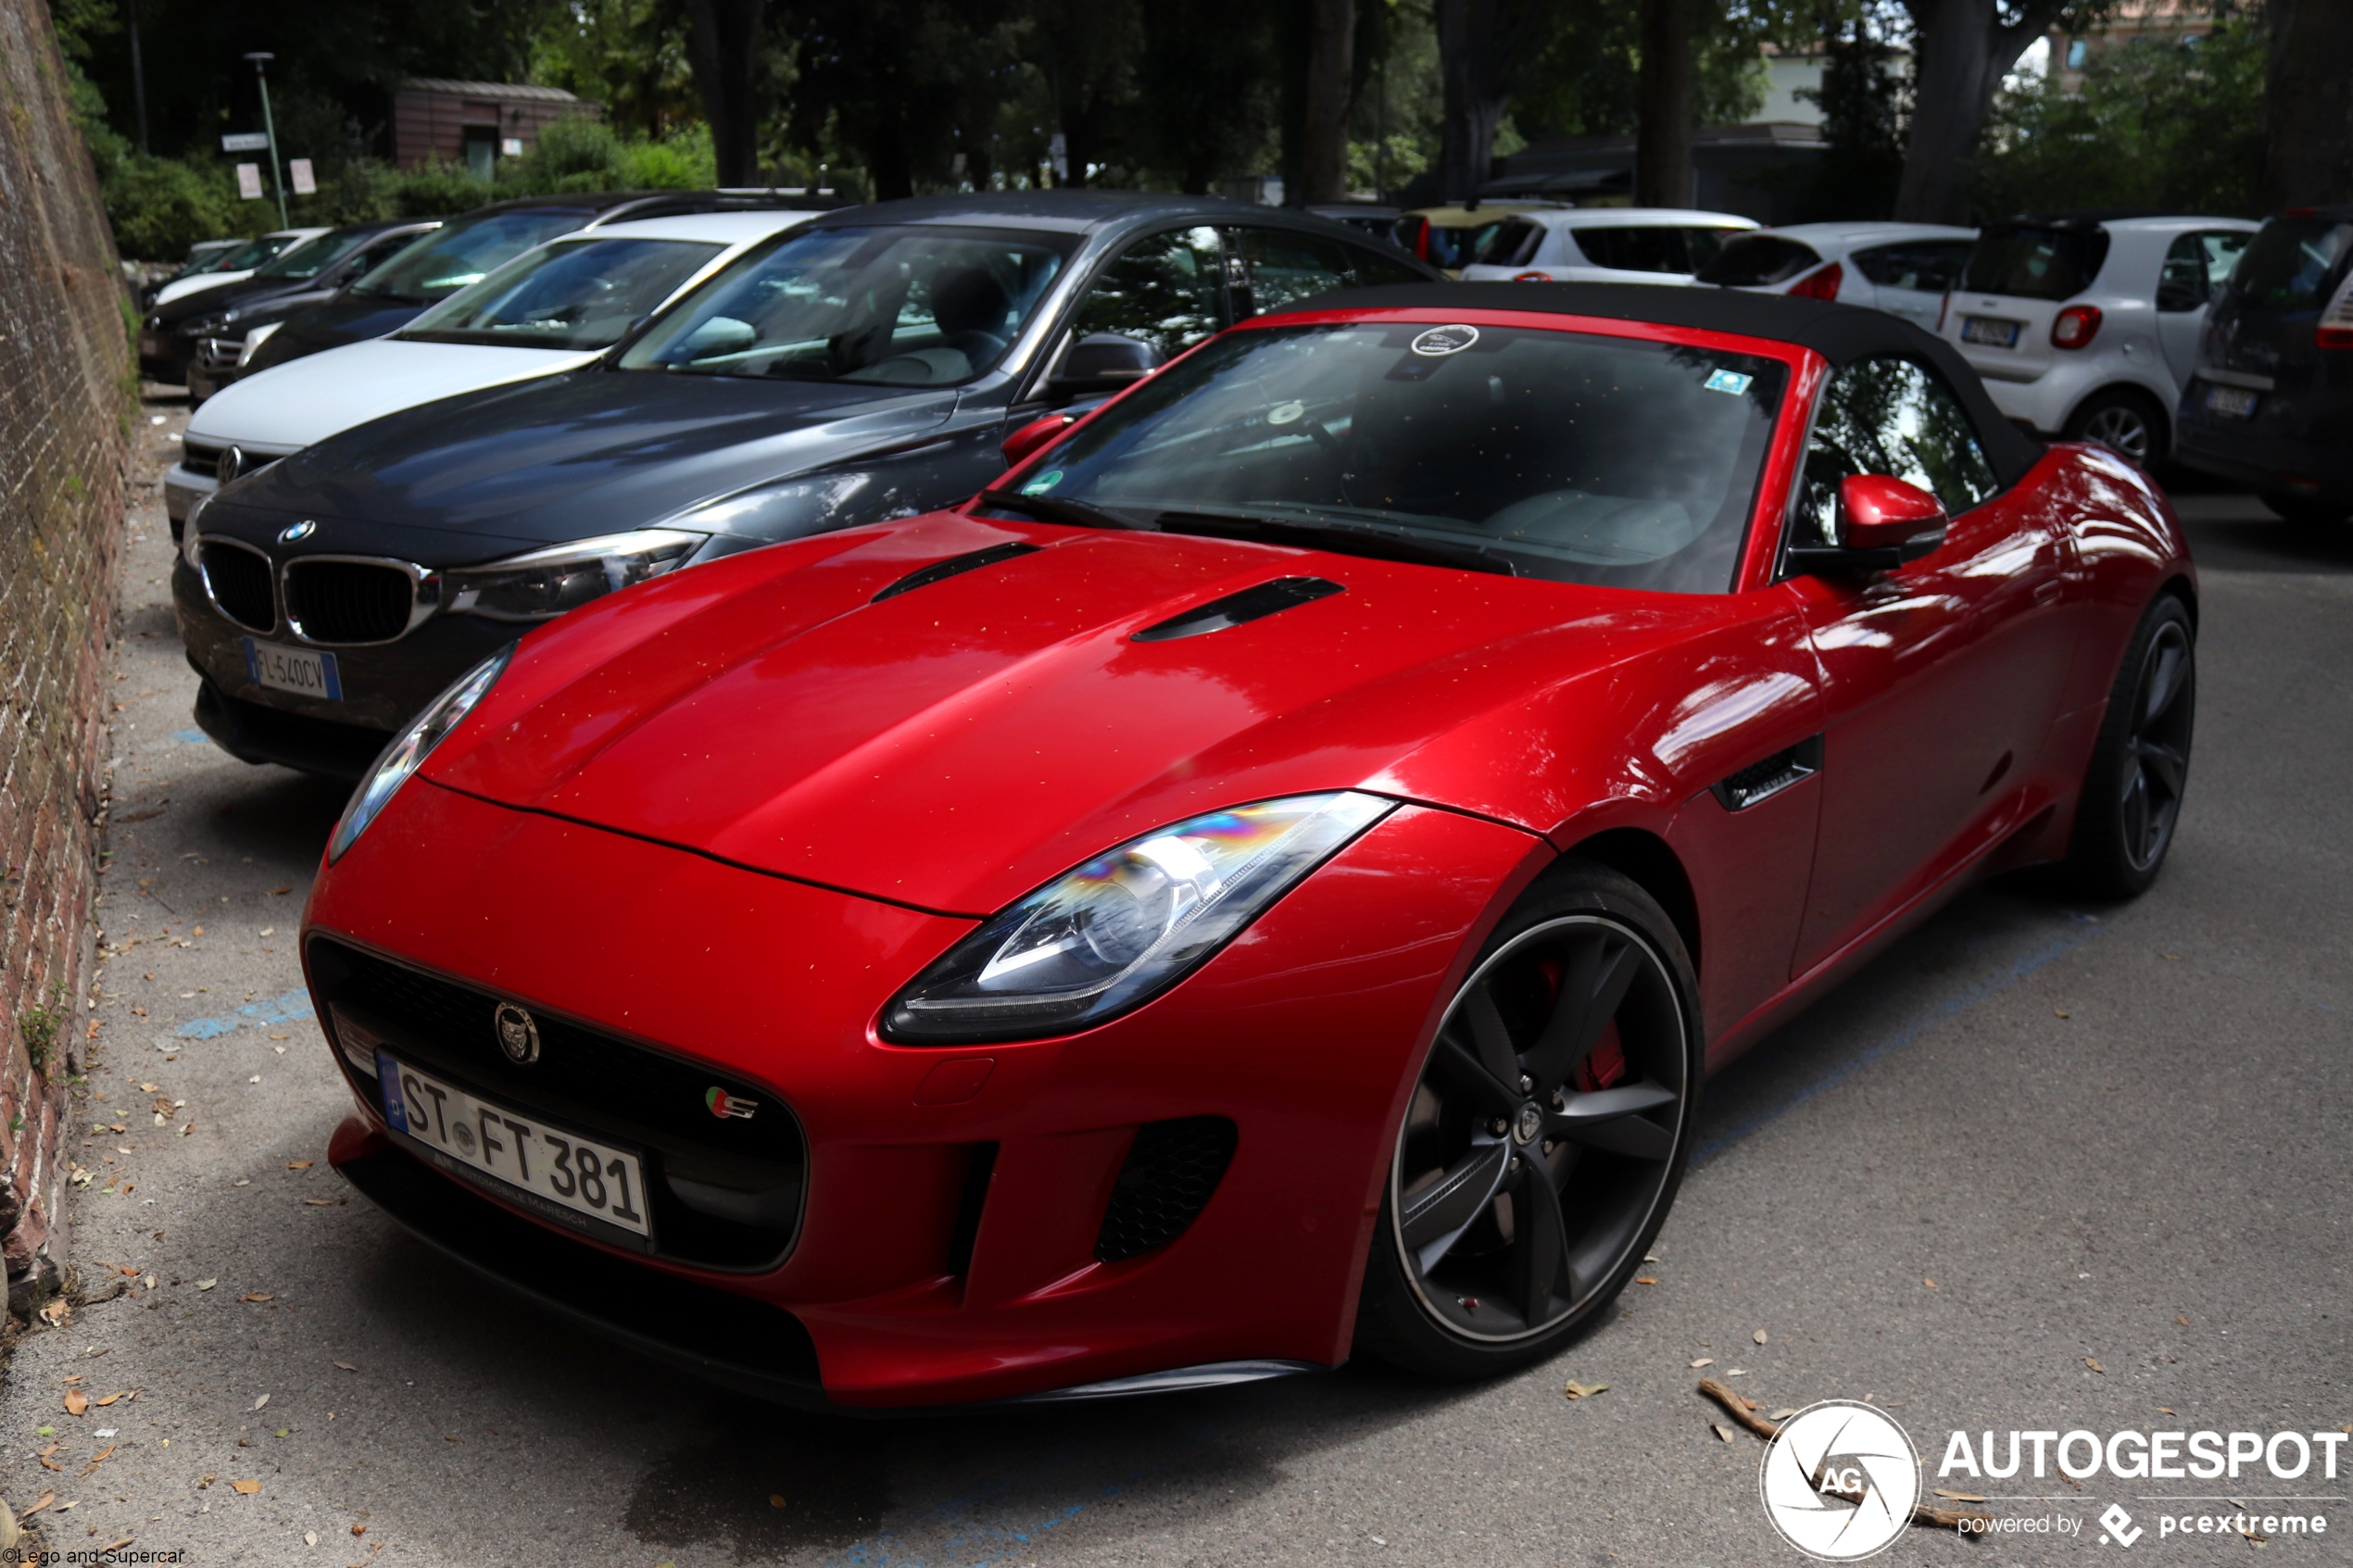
[[922, 1274], [183, 488]]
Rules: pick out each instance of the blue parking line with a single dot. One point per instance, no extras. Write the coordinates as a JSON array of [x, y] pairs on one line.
[[1992, 985], [253, 1015], [192, 737]]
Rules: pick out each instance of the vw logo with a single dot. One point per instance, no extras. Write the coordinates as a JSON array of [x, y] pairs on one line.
[[229, 464], [295, 534], [518, 1035]]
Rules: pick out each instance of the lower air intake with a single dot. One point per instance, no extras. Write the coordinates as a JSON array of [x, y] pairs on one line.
[[1171, 1171]]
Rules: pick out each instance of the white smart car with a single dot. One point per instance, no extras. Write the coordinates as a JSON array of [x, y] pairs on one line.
[[1604, 245], [1902, 268], [2088, 328], [553, 308]]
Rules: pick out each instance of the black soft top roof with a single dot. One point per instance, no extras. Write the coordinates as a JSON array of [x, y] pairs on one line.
[[1840, 333]]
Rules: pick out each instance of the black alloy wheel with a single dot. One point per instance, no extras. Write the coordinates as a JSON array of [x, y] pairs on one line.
[[1545, 1136], [2133, 792]]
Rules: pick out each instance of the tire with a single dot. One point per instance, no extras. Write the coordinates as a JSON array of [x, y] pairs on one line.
[[1586, 986], [2131, 797], [2309, 512], [2127, 422]]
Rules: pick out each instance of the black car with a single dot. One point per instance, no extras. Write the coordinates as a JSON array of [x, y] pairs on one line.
[[199, 339], [866, 365], [2271, 405], [467, 247]]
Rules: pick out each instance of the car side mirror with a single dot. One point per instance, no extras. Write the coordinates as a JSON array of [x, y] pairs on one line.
[[1019, 447], [1882, 523], [1103, 362]]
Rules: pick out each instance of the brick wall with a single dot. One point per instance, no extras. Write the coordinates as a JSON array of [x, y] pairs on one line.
[[65, 408]]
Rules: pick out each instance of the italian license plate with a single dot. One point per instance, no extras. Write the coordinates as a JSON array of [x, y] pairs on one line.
[[305, 671], [584, 1175], [1989, 332], [2231, 402]]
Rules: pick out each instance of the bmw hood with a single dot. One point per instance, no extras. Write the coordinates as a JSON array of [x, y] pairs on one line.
[[585, 453], [841, 710]]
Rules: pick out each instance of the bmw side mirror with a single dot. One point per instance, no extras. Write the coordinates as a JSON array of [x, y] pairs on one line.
[[1019, 447], [1103, 362], [1882, 523]]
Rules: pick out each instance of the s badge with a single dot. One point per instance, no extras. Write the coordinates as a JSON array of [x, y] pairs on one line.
[[725, 1105]]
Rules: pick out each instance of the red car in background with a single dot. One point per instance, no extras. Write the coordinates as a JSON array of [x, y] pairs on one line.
[[1266, 879]]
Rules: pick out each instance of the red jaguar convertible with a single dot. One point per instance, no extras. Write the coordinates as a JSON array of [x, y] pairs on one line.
[[1265, 881]]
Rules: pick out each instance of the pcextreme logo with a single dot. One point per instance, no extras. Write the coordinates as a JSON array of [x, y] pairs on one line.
[[1839, 1480]]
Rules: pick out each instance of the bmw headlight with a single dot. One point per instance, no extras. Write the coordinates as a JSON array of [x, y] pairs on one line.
[[411, 747], [540, 584], [1126, 925]]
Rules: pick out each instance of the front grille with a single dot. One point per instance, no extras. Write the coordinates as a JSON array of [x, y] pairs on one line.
[[725, 1190], [238, 580], [1172, 1168], [217, 354], [348, 601], [200, 457]]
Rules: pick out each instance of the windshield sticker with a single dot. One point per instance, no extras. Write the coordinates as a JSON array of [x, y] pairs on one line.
[[1043, 482], [1727, 381], [1440, 341], [1284, 413]]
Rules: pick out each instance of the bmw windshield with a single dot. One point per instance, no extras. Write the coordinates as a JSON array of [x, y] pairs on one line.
[[1567, 455], [897, 307]]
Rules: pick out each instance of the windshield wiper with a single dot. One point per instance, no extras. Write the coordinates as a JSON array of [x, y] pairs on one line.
[[1078, 514], [1345, 538]]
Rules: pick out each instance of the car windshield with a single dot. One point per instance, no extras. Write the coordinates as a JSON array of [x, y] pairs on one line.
[[313, 257], [1756, 260], [575, 294], [240, 258], [897, 307], [1574, 457], [2293, 263], [2030, 262], [465, 252]]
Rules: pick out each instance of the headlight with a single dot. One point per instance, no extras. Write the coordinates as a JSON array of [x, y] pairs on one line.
[[546, 583], [411, 747], [188, 531], [255, 339], [1127, 924]]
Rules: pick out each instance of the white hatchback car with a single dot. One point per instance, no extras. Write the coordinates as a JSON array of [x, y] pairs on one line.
[[1604, 245], [1902, 268], [553, 308], [240, 263], [2088, 328]]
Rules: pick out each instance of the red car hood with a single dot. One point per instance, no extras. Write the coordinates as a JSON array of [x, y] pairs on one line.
[[953, 746]]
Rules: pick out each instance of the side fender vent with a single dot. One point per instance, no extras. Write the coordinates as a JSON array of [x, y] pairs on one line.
[[1250, 604], [1762, 781], [954, 566], [1171, 1168]]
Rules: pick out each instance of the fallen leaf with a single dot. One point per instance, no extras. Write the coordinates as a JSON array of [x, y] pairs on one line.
[[1742, 1372], [118, 1546], [1760, 1336], [1723, 1431], [48, 1463], [2183, 1321], [1930, 1282], [264, 1400], [1644, 1279], [206, 1284], [775, 1499], [310, 1538], [46, 1498], [99, 1458], [2093, 1365], [451, 1438], [55, 1314], [274, 893], [1746, 1403], [1783, 1413], [359, 1529], [300, 1164], [119, 1394], [245, 1488], [285, 1431], [204, 1481], [2167, 1410], [1704, 1360], [1957, 1497], [1586, 1390], [2061, 1012], [2236, 1503], [319, 1203], [120, 1270], [77, 1402], [346, 1366], [257, 1296]]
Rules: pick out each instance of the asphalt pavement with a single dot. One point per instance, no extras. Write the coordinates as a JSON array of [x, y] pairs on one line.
[[2043, 1167]]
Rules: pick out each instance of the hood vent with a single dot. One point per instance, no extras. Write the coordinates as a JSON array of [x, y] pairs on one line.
[[954, 566], [1250, 604]]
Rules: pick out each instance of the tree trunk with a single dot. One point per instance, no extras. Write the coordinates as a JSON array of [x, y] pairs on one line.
[[1961, 52], [1331, 39], [2309, 103], [1480, 46], [1669, 72], [723, 48]]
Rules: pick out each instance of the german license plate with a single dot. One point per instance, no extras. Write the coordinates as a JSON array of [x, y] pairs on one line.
[[2231, 402], [517, 1150], [1989, 332], [305, 671]]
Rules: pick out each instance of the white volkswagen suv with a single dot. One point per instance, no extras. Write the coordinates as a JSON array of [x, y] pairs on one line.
[[2087, 327]]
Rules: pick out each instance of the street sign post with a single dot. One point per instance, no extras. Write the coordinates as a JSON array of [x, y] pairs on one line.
[[249, 181], [245, 142], [305, 183]]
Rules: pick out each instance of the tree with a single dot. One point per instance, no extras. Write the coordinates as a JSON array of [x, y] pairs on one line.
[[1962, 49], [1481, 45], [1204, 87], [722, 43], [2308, 104], [1330, 86], [1863, 98], [1670, 73]]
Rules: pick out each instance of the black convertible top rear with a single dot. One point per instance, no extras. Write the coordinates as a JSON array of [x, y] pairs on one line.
[[1840, 333]]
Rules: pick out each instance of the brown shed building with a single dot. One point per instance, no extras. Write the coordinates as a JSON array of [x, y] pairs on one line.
[[437, 121]]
